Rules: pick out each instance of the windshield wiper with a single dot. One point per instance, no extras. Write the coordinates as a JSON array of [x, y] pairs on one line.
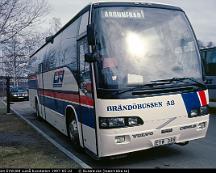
[[144, 86], [180, 80], [151, 86]]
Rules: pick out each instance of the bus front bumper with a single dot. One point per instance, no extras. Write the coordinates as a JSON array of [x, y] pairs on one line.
[[123, 141]]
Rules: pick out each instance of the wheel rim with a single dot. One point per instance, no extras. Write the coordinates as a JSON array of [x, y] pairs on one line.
[[73, 130]]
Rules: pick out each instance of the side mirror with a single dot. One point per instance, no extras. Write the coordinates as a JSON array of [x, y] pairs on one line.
[[90, 57], [50, 39], [90, 34], [87, 87]]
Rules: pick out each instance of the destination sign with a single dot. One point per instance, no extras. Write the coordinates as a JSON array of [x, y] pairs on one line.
[[124, 14]]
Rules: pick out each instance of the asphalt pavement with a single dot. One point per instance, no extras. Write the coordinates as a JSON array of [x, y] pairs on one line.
[[197, 154]]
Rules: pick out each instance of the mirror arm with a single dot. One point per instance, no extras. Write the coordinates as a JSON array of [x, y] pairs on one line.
[[90, 57], [90, 34]]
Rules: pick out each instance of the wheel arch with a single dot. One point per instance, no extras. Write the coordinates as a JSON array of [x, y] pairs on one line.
[[69, 110], [36, 99]]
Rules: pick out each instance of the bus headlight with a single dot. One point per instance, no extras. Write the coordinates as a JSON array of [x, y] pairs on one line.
[[111, 122], [132, 121], [116, 122], [119, 122], [194, 113], [204, 110]]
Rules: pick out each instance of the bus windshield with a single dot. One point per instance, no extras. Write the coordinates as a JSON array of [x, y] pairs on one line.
[[137, 45]]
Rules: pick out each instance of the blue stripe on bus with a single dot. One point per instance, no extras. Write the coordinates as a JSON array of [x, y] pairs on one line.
[[191, 101], [59, 106]]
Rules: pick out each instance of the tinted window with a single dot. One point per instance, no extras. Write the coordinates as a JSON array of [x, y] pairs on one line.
[[68, 53], [35, 61], [137, 45], [85, 73], [211, 62], [63, 51], [84, 23], [83, 49], [211, 56], [52, 54], [18, 89]]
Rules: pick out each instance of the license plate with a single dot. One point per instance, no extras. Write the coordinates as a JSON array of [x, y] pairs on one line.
[[165, 141]]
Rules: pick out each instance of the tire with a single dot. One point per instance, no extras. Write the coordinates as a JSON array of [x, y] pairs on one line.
[[183, 143], [73, 133]]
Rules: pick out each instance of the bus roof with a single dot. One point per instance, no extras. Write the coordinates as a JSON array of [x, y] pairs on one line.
[[134, 3], [107, 3], [210, 48]]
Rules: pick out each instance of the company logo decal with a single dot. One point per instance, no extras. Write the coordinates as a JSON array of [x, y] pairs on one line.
[[58, 78], [151, 105], [166, 131], [143, 135], [134, 106], [188, 127]]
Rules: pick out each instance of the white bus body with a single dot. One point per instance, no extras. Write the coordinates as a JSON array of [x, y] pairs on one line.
[[150, 101]]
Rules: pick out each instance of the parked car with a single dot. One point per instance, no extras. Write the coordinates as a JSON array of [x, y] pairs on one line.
[[18, 93]]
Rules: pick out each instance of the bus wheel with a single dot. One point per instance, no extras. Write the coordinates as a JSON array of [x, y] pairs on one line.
[[183, 143], [73, 133], [37, 111]]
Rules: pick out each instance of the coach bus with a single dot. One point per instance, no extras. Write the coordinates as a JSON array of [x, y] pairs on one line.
[[208, 56], [122, 77]]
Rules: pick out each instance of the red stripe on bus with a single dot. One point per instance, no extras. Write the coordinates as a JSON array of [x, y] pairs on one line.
[[203, 98], [86, 100], [68, 97]]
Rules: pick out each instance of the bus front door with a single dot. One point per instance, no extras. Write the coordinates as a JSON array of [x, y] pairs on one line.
[[87, 113]]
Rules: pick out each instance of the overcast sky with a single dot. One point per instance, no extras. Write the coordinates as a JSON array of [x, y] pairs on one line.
[[201, 13]]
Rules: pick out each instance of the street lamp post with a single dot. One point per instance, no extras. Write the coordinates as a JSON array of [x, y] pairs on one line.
[[8, 94]]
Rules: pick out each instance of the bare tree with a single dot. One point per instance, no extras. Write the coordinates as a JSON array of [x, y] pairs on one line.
[[210, 44], [17, 15], [17, 52], [18, 38], [55, 25]]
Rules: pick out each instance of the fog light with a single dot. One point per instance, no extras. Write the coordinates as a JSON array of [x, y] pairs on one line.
[[116, 122], [119, 122], [119, 139], [104, 123], [194, 113], [202, 125]]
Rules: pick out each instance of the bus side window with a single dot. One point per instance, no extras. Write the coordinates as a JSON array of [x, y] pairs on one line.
[[68, 53], [84, 23], [85, 72]]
